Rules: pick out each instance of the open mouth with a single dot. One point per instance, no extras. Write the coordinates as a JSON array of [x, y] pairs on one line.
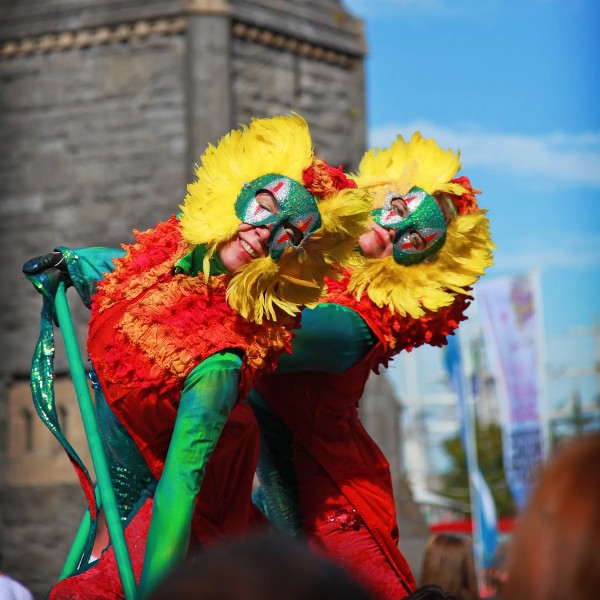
[[248, 248]]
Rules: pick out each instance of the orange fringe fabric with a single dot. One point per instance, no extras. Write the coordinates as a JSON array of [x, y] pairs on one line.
[[465, 203], [147, 260], [323, 180], [167, 324]]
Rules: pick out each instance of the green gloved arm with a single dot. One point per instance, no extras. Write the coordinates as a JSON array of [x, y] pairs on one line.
[[209, 394], [87, 266], [82, 268], [332, 338]]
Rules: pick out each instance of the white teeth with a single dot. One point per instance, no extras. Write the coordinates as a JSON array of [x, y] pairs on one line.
[[246, 246]]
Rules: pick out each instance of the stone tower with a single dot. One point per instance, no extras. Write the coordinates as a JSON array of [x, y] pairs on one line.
[[105, 106]]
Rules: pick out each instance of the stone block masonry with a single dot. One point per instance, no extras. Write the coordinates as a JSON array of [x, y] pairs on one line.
[[105, 107]]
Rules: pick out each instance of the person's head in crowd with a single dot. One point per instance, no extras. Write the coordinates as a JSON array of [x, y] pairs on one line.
[[555, 552], [259, 567], [448, 562], [430, 592]]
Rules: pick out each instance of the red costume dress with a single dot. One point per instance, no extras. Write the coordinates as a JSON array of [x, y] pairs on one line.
[[344, 488], [144, 346], [150, 328]]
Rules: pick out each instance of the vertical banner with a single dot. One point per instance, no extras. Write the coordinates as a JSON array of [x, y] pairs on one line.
[[511, 319], [483, 509]]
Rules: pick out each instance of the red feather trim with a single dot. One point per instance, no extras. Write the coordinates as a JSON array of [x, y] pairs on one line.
[[466, 203], [323, 180]]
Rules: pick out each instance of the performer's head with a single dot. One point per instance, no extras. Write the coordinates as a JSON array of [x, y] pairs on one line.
[[410, 227], [427, 240], [277, 217], [276, 213]]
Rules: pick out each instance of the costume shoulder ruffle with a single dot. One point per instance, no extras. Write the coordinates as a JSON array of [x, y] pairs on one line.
[[167, 324], [161, 336], [149, 258]]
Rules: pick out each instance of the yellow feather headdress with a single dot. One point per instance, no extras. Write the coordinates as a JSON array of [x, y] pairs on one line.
[[279, 145], [467, 251]]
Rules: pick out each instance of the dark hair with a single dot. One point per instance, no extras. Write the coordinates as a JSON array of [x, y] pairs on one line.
[[446, 206], [259, 567], [430, 592]]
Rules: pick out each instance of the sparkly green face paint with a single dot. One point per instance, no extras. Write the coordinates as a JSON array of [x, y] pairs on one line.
[[418, 223], [282, 205]]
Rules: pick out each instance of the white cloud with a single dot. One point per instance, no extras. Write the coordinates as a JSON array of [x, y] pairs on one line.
[[544, 253], [554, 157]]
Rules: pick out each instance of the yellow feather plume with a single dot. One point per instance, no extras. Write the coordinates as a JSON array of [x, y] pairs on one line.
[[431, 284], [278, 145], [262, 287], [404, 165], [467, 251]]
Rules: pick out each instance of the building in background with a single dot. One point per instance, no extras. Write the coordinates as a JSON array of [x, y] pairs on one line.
[[105, 106]]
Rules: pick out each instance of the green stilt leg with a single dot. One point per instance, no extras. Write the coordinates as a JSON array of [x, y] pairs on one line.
[[76, 551], [74, 556], [88, 415]]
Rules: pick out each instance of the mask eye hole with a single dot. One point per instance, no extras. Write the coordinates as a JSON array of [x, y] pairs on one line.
[[266, 200], [417, 241], [295, 235], [399, 207]]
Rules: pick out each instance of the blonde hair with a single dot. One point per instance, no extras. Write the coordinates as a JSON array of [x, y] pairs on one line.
[[448, 562]]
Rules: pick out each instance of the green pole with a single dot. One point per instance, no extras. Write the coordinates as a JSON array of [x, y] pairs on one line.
[[90, 424]]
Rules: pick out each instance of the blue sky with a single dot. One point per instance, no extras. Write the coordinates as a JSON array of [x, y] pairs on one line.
[[514, 85]]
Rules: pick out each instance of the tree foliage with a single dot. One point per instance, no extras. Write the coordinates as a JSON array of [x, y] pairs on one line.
[[455, 483]]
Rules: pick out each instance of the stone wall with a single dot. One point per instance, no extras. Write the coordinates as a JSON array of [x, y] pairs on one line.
[[34, 456], [39, 524], [266, 77], [104, 107], [92, 144]]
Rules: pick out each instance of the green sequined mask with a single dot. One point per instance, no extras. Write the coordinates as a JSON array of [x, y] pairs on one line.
[[418, 223], [288, 210]]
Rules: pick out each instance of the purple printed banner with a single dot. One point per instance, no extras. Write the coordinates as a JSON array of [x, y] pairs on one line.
[[510, 312]]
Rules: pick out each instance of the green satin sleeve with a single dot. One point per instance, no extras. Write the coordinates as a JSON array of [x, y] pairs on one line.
[[87, 267], [209, 394], [333, 338]]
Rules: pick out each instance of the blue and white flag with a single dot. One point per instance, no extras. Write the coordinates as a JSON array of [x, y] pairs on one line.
[[483, 508]]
